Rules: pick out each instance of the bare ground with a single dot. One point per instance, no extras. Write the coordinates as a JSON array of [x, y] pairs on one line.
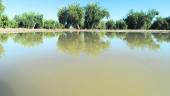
[[23, 30]]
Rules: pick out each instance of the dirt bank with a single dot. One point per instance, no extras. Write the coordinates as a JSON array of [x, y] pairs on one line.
[[23, 30]]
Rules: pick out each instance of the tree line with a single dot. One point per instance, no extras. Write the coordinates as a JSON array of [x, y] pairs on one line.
[[92, 16]]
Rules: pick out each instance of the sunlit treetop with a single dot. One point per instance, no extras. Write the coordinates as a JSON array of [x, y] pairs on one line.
[[2, 7]]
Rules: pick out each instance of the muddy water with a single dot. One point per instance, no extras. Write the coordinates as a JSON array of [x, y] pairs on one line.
[[85, 64]]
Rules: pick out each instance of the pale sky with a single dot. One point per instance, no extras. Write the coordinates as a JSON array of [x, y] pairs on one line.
[[117, 8]]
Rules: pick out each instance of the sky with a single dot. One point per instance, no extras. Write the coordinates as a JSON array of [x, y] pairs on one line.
[[118, 8]]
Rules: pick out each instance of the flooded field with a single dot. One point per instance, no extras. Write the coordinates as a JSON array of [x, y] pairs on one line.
[[85, 64]]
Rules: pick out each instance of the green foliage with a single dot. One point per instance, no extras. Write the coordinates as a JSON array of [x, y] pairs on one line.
[[160, 23], [89, 17], [12, 24], [4, 21], [71, 16], [50, 24], [151, 14], [168, 19], [2, 7], [110, 24], [29, 20], [3, 18], [121, 24], [101, 25], [62, 16], [140, 20], [93, 15]]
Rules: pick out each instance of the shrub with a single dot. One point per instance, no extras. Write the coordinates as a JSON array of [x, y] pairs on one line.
[[121, 24], [110, 24]]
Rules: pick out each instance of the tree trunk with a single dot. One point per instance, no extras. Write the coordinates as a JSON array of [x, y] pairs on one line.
[[78, 27]]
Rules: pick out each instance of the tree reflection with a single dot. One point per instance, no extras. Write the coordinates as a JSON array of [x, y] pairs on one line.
[[120, 35], [162, 37], [91, 43], [29, 39], [2, 50], [141, 40], [50, 34], [4, 37]]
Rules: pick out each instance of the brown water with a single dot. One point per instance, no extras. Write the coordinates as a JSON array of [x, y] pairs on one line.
[[85, 64]]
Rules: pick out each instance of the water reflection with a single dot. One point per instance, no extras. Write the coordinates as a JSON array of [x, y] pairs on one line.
[[136, 40], [141, 40], [32, 39], [5, 89], [162, 37], [91, 43], [3, 39], [117, 71], [116, 35], [28, 39], [2, 50], [76, 43]]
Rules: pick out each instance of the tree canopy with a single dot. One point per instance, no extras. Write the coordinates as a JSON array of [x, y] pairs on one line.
[[110, 24], [93, 15], [51, 24], [4, 22], [71, 16], [121, 24], [2, 7], [140, 20], [160, 23], [29, 20]]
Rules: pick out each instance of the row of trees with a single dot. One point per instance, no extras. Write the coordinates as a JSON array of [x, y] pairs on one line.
[[26, 20], [141, 20], [161, 23], [92, 16], [35, 20], [79, 17]]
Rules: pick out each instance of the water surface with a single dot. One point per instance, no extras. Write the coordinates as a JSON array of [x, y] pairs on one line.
[[85, 64]]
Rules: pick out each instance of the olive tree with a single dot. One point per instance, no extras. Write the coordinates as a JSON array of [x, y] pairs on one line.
[[110, 24], [51, 24], [71, 16], [12, 24], [140, 20], [4, 22], [101, 25], [161, 24], [3, 18], [2, 7], [168, 20], [121, 24], [93, 15], [29, 20]]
